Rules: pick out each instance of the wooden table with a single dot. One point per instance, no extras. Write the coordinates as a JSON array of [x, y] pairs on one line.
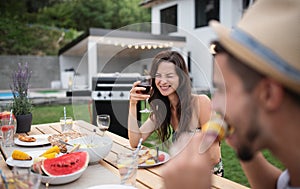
[[106, 171]]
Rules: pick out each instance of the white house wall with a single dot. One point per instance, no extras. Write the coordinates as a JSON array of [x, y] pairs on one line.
[[230, 12]]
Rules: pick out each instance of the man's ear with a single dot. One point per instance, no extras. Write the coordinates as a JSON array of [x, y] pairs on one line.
[[270, 93]]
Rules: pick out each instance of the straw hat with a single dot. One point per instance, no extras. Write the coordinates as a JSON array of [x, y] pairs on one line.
[[268, 39]]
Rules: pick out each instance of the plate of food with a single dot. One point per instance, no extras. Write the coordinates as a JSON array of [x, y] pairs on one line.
[[147, 158], [22, 159], [32, 140], [56, 139], [26, 159]]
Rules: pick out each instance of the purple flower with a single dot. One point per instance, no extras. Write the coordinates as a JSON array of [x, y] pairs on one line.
[[19, 88]]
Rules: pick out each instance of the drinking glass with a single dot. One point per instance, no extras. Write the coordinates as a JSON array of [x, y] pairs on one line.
[[103, 122], [8, 130], [23, 179], [66, 124], [146, 83], [127, 164]]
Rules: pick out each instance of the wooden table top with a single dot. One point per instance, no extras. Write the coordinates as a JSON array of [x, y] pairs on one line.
[[146, 177]]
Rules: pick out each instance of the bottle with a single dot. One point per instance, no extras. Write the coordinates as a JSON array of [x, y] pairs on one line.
[[70, 83], [215, 129]]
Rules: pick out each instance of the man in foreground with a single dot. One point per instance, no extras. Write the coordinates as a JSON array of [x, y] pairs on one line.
[[260, 64]]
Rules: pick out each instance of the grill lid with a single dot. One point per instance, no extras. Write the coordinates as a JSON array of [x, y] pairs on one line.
[[114, 81]]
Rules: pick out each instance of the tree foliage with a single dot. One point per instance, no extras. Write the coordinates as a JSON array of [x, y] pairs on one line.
[[41, 27], [17, 38], [83, 14]]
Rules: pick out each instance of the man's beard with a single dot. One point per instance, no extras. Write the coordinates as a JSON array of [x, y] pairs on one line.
[[245, 152]]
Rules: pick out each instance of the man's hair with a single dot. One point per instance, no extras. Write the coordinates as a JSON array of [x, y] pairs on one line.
[[248, 75]]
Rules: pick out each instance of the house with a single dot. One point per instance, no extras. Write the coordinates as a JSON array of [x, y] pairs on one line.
[[189, 18], [176, 24]]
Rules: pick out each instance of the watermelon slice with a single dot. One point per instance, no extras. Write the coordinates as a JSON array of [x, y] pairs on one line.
[[65, 164]]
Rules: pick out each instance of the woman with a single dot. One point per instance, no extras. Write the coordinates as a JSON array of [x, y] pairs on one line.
[[175, 110]]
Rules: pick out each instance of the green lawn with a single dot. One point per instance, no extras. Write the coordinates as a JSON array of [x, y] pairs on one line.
[[52, 113]]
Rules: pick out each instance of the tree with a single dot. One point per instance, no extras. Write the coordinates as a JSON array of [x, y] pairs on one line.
[[83, 14], [42, 27]]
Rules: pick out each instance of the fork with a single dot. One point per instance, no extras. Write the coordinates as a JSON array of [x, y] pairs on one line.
[[63, 142], [93, 135], [156, 157]]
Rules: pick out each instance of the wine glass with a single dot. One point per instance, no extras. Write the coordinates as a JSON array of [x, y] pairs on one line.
[[103, 122], [146, 83]]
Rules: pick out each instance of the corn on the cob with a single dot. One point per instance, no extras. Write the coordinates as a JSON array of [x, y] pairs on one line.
[[19, 155], [50, 155], [55, 149], [215, 129]]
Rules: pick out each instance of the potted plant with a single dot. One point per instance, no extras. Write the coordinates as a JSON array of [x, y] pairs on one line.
[[21, 104]]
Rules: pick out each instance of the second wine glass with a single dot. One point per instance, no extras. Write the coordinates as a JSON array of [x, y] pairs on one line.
[[103, 122]]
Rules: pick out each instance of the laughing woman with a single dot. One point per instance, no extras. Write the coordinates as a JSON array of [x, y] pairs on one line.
[[175, 110]]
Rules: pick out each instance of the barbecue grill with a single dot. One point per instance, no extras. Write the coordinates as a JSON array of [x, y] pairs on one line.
[[110, 95]]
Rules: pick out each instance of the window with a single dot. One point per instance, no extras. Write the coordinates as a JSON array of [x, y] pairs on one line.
[[247, 4], [168, 18], [206, 10]]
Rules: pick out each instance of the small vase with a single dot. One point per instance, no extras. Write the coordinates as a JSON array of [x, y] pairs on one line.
[[23, 123]]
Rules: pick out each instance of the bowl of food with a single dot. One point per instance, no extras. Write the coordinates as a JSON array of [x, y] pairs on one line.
[[62, 169], [97, 146]]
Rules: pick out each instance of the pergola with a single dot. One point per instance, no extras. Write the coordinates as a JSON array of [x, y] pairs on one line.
[[97, 43]]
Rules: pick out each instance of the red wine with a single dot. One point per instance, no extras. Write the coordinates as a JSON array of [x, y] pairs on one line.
[[147, 86], [103, 129]]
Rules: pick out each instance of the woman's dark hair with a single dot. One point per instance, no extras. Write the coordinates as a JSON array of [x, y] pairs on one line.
[[161, 105]]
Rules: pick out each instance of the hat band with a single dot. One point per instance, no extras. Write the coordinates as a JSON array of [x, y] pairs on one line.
[[265, 53]]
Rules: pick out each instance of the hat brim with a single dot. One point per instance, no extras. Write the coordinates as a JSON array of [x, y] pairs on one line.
[[251, 59]]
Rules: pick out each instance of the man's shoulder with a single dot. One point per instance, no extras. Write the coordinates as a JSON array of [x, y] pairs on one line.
[[283, 181]]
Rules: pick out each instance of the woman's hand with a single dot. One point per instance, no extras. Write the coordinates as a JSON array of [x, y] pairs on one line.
[[136, 94]]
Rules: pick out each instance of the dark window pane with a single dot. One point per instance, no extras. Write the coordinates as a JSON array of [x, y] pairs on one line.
[[168, 18], [206, 10], [245, 4]]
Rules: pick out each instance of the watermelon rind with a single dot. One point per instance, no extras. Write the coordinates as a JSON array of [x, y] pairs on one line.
[[64, 179], [66, 164]]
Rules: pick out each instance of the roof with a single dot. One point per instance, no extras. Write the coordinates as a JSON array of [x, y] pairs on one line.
[[119, 38], [150, 3]]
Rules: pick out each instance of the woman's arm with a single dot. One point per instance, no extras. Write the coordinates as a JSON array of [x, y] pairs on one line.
[[134, 132]]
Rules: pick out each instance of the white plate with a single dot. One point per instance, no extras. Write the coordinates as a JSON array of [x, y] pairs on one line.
[[24, 163], [40, 140], [167, 157], [64, 179], [111, 186]]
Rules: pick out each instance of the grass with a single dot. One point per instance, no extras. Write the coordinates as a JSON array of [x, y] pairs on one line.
[[52, 113], [233, 170]]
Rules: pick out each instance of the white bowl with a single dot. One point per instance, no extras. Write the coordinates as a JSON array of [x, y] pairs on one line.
[[55, 180], [97, 146]]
